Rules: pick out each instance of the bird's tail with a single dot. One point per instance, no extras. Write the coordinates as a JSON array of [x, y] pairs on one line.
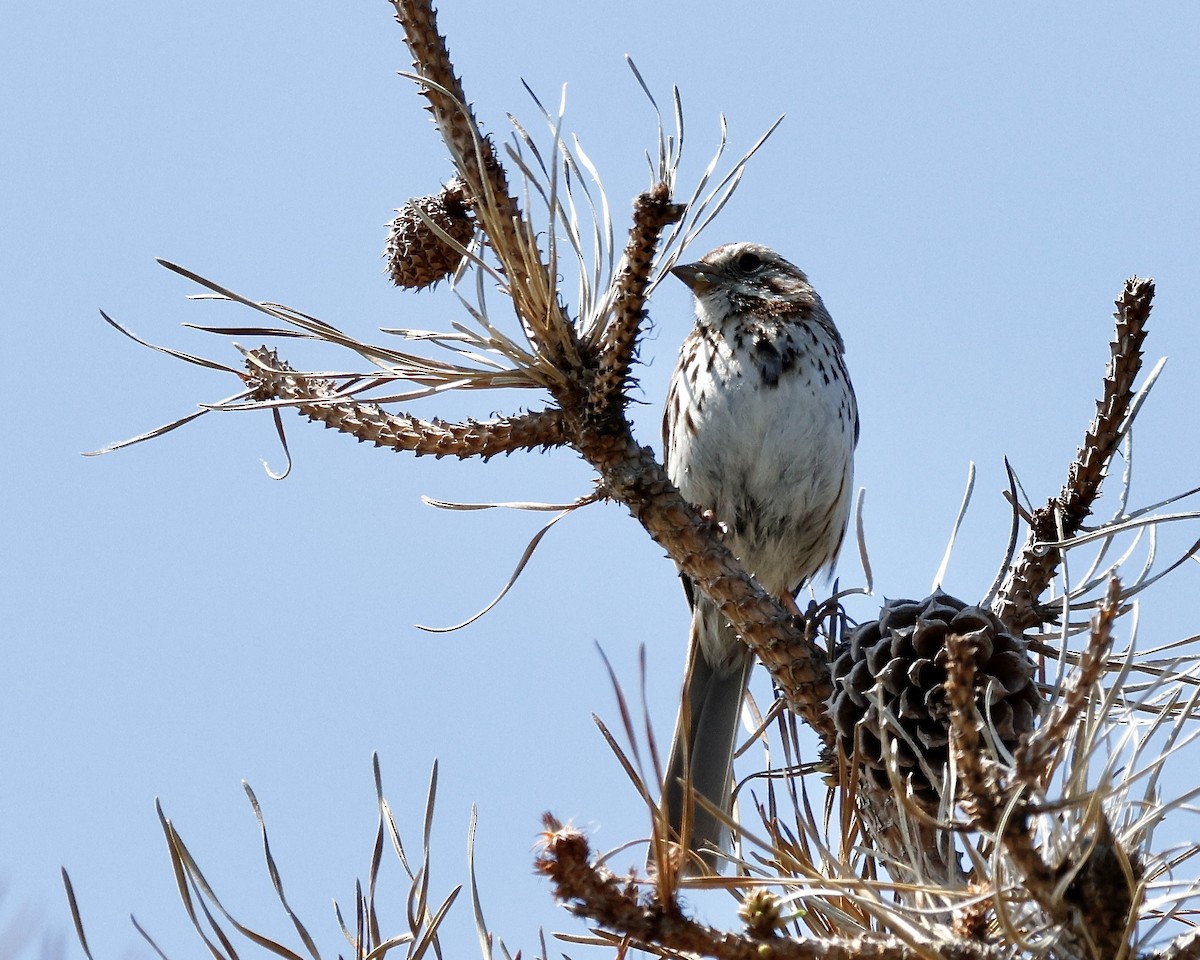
[[701, 760]]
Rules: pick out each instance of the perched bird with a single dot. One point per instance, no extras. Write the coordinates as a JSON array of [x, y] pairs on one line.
[[758, 433]]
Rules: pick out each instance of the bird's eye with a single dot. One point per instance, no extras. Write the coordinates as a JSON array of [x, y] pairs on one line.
[[749, 262]]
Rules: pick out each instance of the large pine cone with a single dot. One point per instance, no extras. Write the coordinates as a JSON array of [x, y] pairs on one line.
[[416, 255], [903, 654]]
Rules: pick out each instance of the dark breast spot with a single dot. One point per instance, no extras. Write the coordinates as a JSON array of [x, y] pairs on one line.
[[823, 371], [768, 360]]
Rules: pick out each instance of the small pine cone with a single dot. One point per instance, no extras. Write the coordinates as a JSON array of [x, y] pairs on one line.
[[903, 653], [417, 257]]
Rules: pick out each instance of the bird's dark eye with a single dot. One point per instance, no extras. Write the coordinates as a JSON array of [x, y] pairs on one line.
[[749, 262]]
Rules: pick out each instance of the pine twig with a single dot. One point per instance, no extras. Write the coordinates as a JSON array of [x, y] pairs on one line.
[[531, 283], [1017, 602], [316, 398], [798, 665], [995, 806], [652, 211], [1035, 759], [593, 892], [1090, 892]]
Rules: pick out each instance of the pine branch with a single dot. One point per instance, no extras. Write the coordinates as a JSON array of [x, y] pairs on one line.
[[1017, 602], [531, 283], [1091, 892], [593, 892], [986, 798], [1036, 758], [273, 379], [633, 476], [652, 211]]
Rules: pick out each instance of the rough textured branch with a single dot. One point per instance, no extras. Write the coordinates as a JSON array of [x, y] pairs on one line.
[[598, 895], [531, 284], [1089, 892], [1017, 602], [633, 476], [274, 379], [1034, 760], [990, 802], [652, 211]]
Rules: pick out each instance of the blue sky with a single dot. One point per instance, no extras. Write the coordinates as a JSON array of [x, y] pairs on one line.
[[967, 187]]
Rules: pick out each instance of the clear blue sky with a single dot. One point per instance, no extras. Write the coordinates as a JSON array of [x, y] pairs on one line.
[[967, 186]]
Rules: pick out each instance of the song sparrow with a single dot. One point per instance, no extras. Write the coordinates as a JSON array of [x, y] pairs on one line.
[[759, 431]]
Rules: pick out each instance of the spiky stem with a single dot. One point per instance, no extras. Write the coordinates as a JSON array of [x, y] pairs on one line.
[[592, 892], [633, 476], [591, 391], [1017, 602], [652, 211], [1090, 891], [531, 283], [316, 398], [1034, 761]]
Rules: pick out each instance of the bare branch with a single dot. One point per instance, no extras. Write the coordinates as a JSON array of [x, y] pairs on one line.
[[318, 399], [1017, 602], [662, 928], [781, 640], [531, 284], [1034, 760], [1090, 892], [652, 211], [984, 796], [591, 392]]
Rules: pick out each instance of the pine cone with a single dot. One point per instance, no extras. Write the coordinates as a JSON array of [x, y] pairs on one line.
[[417, 257], [903, 653]]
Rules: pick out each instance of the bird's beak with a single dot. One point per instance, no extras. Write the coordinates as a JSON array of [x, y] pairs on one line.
[[694, 275]]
